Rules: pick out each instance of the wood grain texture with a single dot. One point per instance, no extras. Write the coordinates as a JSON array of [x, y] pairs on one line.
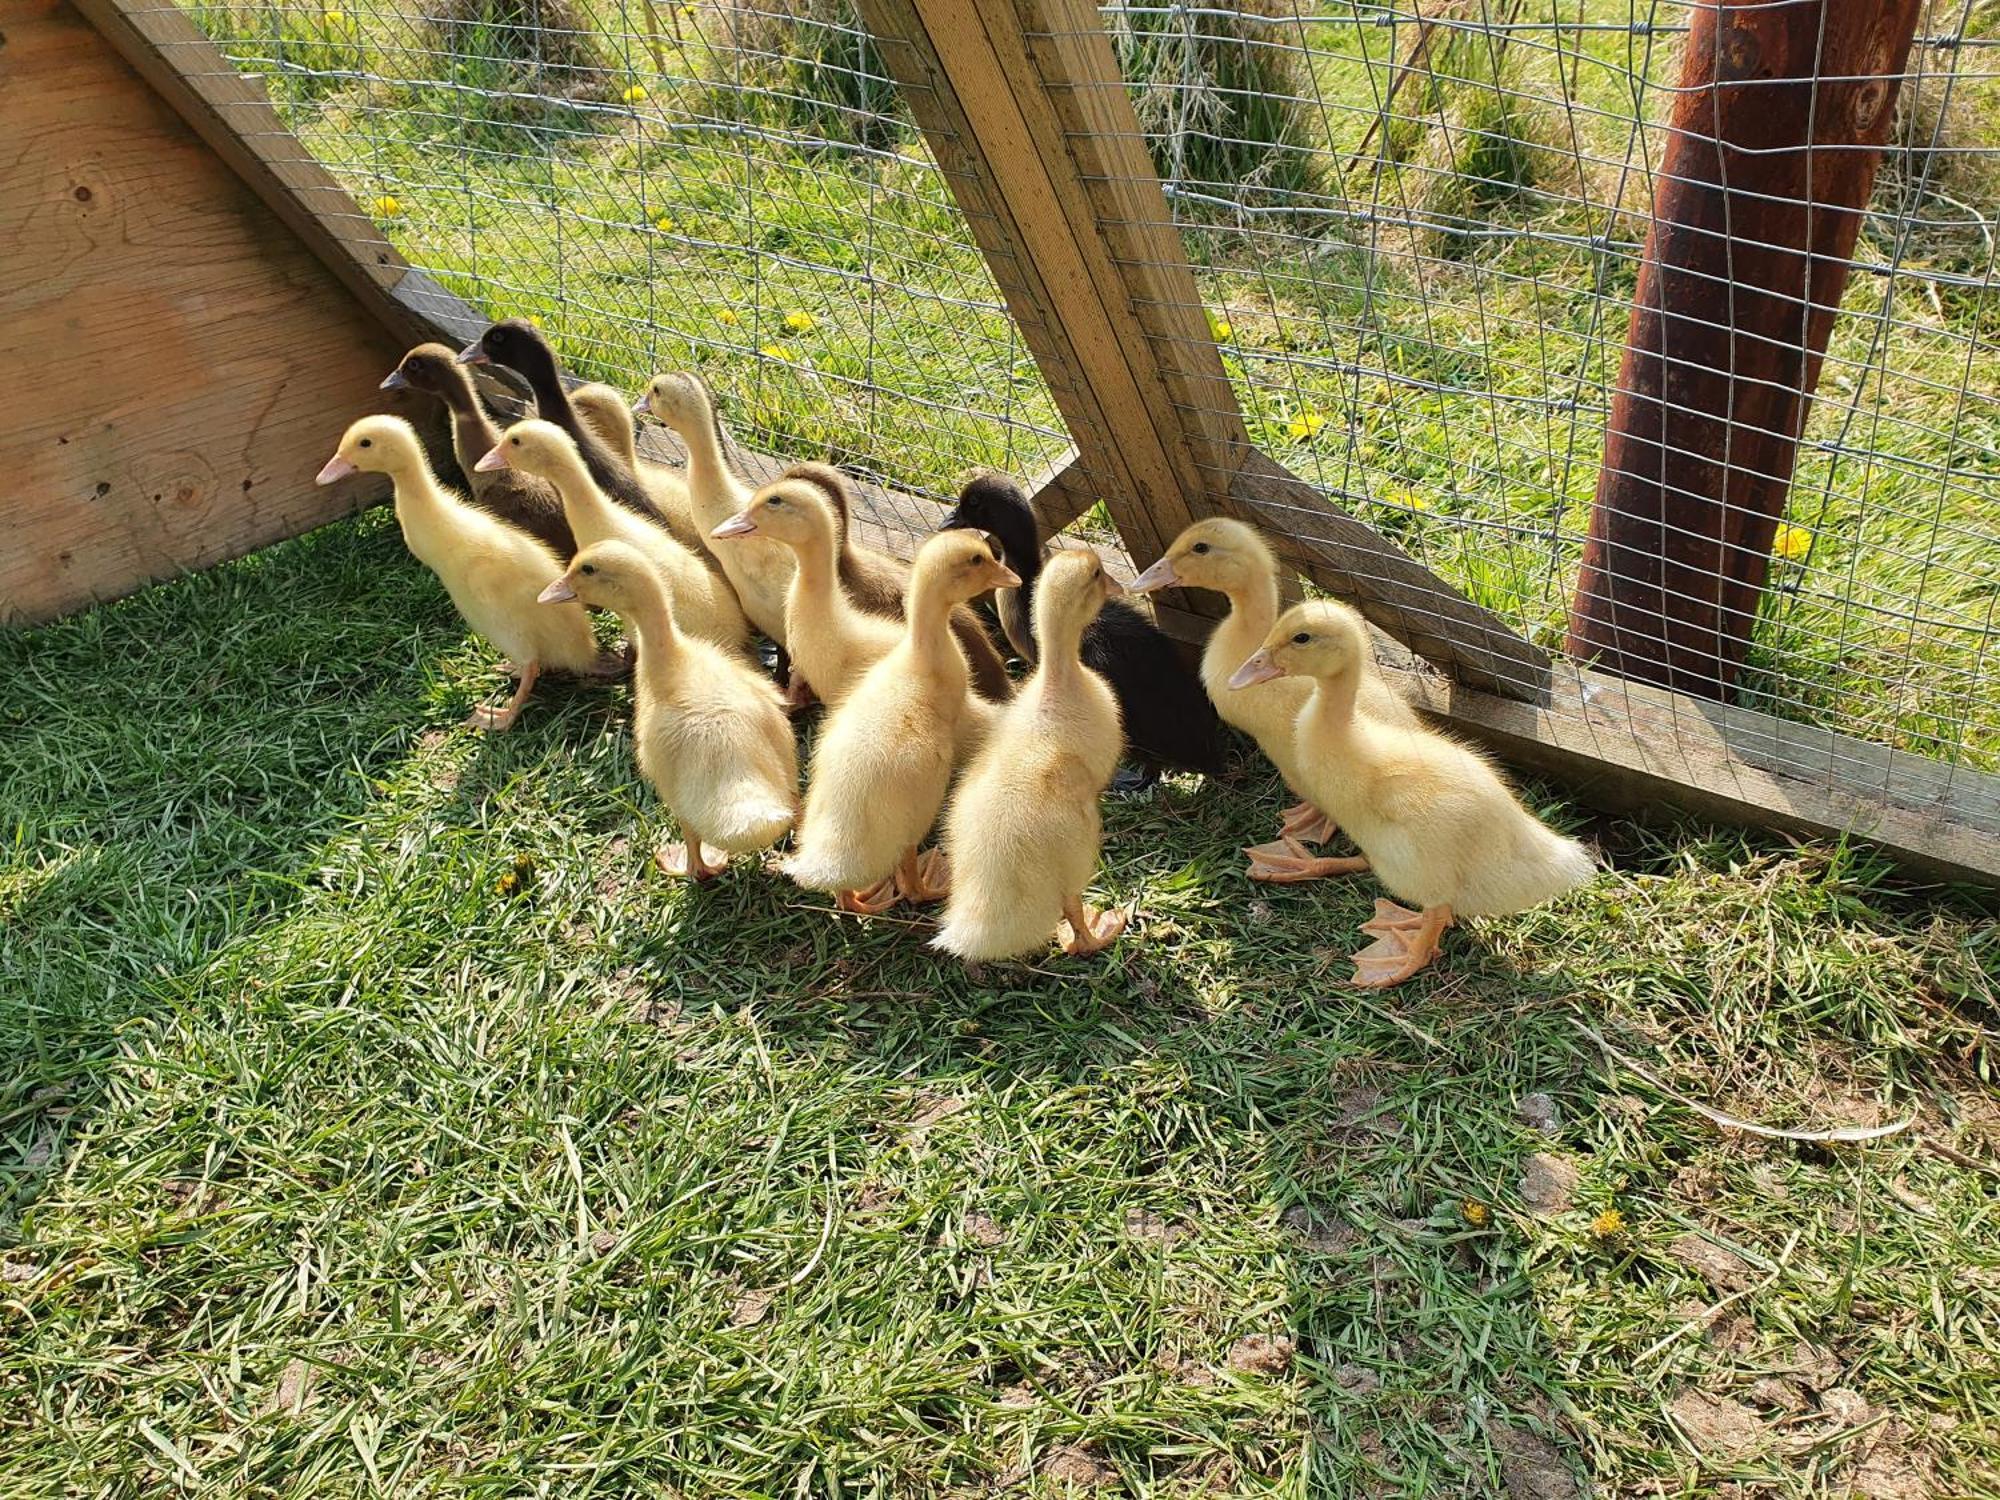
[[182, 364], [991, 120], [233, 114], [1397, 594], [1777, 131]]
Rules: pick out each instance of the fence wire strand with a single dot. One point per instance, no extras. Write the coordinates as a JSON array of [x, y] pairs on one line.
[[1416, 227]]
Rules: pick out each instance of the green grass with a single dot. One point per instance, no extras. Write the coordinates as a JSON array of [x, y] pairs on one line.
[[374, 1120]]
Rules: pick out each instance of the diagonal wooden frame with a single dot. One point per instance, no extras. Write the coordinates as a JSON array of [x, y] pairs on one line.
[[1025, 109]]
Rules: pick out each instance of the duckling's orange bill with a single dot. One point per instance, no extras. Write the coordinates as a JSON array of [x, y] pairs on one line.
[[739, 524], [558, 592], [1160, 576], [472, 354], [395, 380], [336, 468], [1259, 668], [490, 460]]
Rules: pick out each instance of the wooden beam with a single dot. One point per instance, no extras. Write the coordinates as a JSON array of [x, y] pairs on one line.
[[1628, 746], [1397, 593], [234, 116], [1777, 130], [1061, 492], [180, 363], [1027, 112], [968, 77]]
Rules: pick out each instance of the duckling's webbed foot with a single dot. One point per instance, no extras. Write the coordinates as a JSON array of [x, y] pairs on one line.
[[1307, 824], [1085, 930], [492, 719], [1289, 862], [920, 878], [1135, 780], [872, 902], [693, 860], [1406, 941]]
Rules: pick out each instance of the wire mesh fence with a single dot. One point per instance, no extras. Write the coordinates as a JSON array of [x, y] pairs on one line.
[[1416, 228]]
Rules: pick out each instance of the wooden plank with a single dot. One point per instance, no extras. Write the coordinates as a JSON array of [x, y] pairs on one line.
[[182, 363], [234, 116], [967, 75], [1396, 593], [1626, 746], [1777, 130]]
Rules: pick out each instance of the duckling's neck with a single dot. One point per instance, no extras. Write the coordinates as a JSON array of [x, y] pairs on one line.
[[708, 468], [656, 638], [1331, 707], [583, 502], [1061, 642], [423, 507], [1253, 604], [818, 559], [472, 431], [928, 632]]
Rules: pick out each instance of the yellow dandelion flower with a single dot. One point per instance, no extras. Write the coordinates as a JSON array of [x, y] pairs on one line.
[[1219, 326], [333, 19], [536, 319], [727, 317], [689, 10], [798, 322], [664, 224], [1307, 424], [636, 94], [772, 351], [1792, 542], [1475, 1213], [1415, 501], [386, 206], [1608, 1225]]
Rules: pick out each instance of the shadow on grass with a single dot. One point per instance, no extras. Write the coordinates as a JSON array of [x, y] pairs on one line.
[[174, 761]]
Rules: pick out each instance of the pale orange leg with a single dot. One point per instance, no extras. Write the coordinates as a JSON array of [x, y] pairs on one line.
[[1406, 941], [1289, 862], [877, 899], [494, 719], [799, 695], [1306, 823], [693, 859], [923, 877], [1083, 931]]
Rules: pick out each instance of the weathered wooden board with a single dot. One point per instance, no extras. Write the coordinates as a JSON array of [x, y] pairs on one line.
[[179, 364]]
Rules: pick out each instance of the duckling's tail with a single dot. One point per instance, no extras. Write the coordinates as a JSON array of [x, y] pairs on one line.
[[753, 821], [980, 925]]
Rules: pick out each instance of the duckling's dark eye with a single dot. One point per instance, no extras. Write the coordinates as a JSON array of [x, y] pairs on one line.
[[515, 441], [1301, 638], [589, 570], [368, 442], [776, 500], [1200, 549]]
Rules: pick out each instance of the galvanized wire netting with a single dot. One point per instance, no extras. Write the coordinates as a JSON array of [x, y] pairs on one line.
[[1416, 228]]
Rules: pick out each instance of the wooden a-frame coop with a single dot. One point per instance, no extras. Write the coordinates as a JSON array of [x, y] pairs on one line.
[[195, 307]]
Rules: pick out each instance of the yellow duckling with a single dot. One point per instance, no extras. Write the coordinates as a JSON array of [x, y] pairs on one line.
[[885, 756], [1233, 560], [759, 568], [1433, 817], [1023, 830], [708, 731], [831, 639], [703, 603], [491, 570]]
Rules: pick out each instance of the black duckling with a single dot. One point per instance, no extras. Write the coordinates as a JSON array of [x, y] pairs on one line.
[[518, 345], [1169, 722], [519, 499]]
